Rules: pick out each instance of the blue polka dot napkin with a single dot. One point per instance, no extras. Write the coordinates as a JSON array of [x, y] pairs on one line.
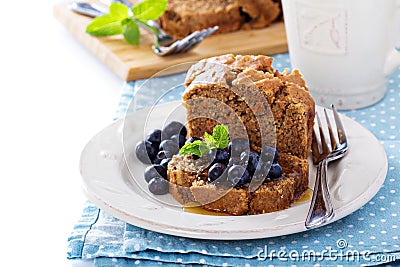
[[369, 236]]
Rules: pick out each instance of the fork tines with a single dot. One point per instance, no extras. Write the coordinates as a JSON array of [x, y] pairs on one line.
[[339, 126], [334, 139]]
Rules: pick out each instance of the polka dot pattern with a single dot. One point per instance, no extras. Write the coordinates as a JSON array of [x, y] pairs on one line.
[[373, 228]]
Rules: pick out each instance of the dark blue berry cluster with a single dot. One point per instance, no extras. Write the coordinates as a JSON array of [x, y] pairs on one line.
[[238, 164], [157, 149], [235, 165]]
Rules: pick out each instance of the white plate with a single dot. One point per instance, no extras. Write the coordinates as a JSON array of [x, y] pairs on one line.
[[114, 181]]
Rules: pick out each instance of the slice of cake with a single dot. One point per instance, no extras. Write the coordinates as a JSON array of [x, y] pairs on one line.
[[226, 79], [257, 103], [184, 17]]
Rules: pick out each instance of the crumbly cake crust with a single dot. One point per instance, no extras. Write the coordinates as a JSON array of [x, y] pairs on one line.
[[184, 17]]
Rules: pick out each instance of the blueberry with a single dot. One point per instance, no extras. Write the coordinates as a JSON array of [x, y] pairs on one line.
[[192, 139], [165, 162], [195, 157], [244, 180], [170, 146], [171, 128], [275, 172], [155, 171], [163, 154], [269, 153], [217, 155], [216, 171], [222, 156], [237, 146], [145, 152], [158, 186], [262, 167], [252, 159], [154, 137], [179, 139], [236, 161], [238, 175], [210, 156], [244, 156]]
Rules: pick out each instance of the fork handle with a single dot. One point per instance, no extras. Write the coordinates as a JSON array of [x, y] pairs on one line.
[[321, 210]]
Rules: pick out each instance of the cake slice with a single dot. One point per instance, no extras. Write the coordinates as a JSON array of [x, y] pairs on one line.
[[224, 82], [184, 17], [256, 102]]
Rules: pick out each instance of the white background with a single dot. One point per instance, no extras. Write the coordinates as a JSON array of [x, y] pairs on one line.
[[54, 96]]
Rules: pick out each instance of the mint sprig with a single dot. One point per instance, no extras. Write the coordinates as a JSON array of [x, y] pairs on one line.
[[149, 9], [218, 139], [221, 136], [122, 20], [197, 148]]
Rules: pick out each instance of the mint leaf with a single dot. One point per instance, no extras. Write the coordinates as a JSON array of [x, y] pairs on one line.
[[209, 139], [132, 33], [221, 136], [191, 148], [198, 148], [149, 9], [119, 11], [204, 148], [105, 25], [219, 139], [119, 20]]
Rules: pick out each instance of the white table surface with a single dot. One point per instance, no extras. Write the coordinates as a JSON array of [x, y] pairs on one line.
[[54, 96]]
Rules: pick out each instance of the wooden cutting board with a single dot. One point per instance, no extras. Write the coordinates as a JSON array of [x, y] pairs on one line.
[[138, 62]]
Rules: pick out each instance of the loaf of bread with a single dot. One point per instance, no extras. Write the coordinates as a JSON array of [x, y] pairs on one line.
[[256, 102], [186, 16]]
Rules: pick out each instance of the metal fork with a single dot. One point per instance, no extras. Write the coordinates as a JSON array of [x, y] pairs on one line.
[[321, 209], [164, 44]]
